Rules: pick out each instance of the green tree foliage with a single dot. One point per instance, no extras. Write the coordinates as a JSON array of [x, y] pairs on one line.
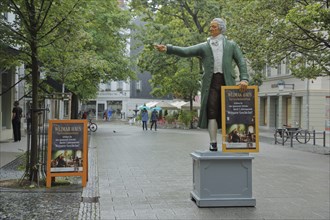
[[93, 51], [185, 81], [186, 117], [182, 23], [79, 42], [35, 25], [281, 30]]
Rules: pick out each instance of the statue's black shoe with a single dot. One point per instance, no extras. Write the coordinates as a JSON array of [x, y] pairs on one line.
[[213, 147]]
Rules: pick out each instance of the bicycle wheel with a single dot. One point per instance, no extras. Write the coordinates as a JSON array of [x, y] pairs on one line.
[[281, 135], [93, 127], [303, 137]]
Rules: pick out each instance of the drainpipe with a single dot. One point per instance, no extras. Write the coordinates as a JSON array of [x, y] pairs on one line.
[[307, 104]]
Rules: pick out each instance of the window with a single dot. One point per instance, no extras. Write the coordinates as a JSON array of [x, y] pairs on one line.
[[5, 15], [264, 70], [279, 72], [138, 85], [287, 70], [265, 111], [108, 86], [66, 108], [120, 85], [269, 70]]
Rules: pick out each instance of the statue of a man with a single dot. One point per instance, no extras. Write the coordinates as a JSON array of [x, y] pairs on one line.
[[217, 54]]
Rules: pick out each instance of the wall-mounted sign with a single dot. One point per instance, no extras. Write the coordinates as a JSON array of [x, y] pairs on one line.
[[67, 149], [240, 124]]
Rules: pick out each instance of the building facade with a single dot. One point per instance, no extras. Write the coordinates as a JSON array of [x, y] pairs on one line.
[[286, 100], [12, 89]]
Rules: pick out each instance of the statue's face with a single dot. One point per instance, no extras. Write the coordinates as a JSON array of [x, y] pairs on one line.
[[214, 29]]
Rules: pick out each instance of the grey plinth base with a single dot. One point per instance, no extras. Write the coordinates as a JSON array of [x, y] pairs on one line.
[[222, 179]]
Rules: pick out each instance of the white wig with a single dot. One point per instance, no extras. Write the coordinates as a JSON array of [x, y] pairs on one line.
[[221, 24]]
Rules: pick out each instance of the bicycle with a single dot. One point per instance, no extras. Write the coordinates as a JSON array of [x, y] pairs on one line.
[[282, 134], [91, 126]]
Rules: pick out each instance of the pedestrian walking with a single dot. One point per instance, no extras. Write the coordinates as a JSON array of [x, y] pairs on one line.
[[145, 118], [84, 115], [217, 55], [16, 121], [154, 118], [105, 115], [109, 113]]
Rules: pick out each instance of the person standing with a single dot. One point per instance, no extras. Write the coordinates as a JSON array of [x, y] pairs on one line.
[[154, 118], [145, 118], [217, 55], [235, 136], [16, 121]]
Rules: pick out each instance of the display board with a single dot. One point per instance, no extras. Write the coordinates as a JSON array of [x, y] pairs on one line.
[[240, 126], [67, 149]]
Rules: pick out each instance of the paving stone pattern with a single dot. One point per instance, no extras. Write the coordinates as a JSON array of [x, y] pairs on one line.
[[90, 206], [38, 202], [38, 205], [148, 175], [135, 174]]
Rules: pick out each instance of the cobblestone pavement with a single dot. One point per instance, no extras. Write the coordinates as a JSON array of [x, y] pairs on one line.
[[19, 204], [37, 203], [68, 200]]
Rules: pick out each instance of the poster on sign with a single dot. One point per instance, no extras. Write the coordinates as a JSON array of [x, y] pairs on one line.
[[67, 149], [240, 131]]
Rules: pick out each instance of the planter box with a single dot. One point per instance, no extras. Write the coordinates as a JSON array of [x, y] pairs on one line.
[[222, 179]]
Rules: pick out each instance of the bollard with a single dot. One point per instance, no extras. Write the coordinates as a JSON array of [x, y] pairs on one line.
[[275, 135], [323, 138]]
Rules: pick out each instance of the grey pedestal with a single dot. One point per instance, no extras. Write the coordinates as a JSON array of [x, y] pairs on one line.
[[222, 179]]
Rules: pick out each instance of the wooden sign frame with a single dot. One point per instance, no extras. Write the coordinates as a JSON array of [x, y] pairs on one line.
[[67, 150], [240, 119]]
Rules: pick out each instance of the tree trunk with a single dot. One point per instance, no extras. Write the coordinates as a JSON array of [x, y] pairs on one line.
[[34, 125], [74, 106], [35, 82]]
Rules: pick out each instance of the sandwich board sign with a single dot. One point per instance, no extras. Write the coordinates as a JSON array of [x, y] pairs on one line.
[[67, 149]]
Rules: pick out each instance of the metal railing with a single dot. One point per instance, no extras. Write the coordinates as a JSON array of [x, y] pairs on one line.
[[323, 137], [42, 142], [282, 135]]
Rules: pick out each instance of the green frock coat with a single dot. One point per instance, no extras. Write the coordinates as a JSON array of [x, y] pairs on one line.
[[231, 52]]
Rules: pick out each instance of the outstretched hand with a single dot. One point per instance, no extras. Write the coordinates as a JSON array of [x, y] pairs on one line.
[[160, 47]]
